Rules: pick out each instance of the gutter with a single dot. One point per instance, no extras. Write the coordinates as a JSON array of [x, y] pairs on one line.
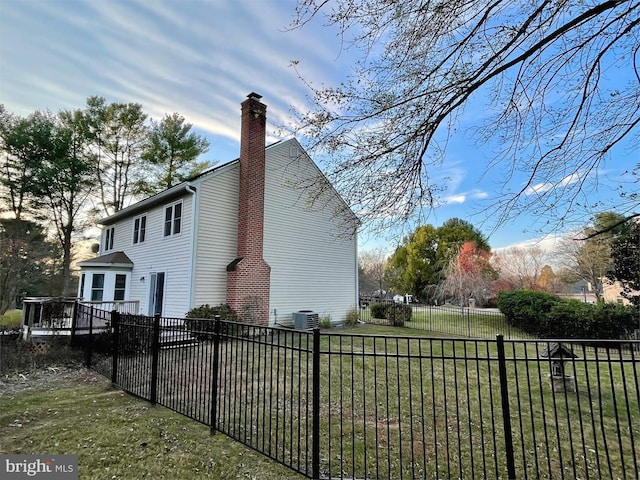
[[172, 193]]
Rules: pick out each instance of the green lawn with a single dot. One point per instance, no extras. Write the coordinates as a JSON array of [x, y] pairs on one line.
[[11, 318], [391, 406], [119, 436], [402, 406]]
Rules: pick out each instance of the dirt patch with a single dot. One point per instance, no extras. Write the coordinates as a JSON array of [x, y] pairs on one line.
[[47, 379]]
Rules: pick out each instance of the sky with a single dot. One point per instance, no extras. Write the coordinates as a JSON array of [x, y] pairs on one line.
[[201, 58]]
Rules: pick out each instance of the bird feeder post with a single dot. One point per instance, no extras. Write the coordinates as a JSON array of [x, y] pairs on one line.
[[558, 354]]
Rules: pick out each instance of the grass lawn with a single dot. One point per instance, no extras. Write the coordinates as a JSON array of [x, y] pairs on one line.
[[11, 318], [117, 436], [391, 406]]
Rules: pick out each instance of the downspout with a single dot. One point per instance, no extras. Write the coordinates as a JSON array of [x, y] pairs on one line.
[[194, 235]]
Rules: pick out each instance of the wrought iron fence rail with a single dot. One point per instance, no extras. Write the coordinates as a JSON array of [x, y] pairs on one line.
[[333, 405]]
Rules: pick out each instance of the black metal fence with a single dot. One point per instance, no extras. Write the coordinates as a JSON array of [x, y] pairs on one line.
[[331, 405], [453, 320]]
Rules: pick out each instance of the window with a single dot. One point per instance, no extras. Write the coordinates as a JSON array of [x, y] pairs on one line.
[[172, 219], [97, 287], [139, 229], [108, 238], [82, 282], [121, 284]]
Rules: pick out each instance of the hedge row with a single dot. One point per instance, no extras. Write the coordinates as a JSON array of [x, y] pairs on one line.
[[549, 316]]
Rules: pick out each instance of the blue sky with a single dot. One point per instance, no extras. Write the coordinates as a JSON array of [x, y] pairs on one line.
[[201, 58]]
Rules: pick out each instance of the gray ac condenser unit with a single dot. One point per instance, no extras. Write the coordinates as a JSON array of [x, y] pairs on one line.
[[305, 319]]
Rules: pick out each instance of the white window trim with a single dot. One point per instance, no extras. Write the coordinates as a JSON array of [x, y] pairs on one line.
[[136, 238], [109, 238], [172, 232]]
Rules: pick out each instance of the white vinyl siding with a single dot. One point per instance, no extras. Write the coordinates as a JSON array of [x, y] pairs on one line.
[[310, 247], [170, 254], [310, 250], [216, 244], [103, 284]]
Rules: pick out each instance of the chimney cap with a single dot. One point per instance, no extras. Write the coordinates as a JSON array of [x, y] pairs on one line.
[[254, 96]]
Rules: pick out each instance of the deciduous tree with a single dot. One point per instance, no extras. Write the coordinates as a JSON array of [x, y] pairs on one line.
[[520, 268], [469, 275], [417, 265], [560, 83], [63, 179], [374, 264], [588, 255], [119, 133]]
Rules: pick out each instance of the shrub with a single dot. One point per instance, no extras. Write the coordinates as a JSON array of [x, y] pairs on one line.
[[398, 314], [352, 317], [207, 311], [325, 321], [527, 310], [612, 321], [199, 320], [378, 310], [135, 334], [548, 316], [567, 319]]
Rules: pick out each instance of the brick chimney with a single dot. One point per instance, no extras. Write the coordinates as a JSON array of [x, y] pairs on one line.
[[248, 276]]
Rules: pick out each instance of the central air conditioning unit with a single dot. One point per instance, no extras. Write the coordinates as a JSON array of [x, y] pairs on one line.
[[305, 319]]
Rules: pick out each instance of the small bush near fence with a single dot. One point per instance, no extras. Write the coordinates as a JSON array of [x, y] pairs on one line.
[[549, 316], [352, 317], [198, 319], [378, 310], [396, 313]]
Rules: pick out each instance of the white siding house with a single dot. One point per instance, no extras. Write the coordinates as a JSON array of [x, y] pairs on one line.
[[180, 249]]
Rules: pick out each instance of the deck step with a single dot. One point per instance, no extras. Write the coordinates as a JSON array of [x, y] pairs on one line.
[[176, 339]]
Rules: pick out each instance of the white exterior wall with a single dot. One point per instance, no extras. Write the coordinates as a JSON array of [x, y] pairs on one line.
[[109, 282], [312, 257], [171, 255], [217, 233]]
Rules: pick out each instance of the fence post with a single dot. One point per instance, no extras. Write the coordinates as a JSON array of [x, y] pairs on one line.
[[155, 354], [315, 405], [469, 322], [89, 352], [115, 324], [214, 374], [74, 322], [506, 414]]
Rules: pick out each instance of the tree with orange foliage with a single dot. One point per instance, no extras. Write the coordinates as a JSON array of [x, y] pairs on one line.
[[469, 275]]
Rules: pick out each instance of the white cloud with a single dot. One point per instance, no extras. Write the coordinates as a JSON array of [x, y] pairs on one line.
[[455, 199], [546, 186]]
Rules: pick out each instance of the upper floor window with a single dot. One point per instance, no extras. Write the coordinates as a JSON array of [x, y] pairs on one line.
[[108, 238], [139, 229], [172, 219]]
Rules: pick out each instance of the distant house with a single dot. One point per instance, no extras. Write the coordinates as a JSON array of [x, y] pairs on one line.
[[612, 292], [265, 233]]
